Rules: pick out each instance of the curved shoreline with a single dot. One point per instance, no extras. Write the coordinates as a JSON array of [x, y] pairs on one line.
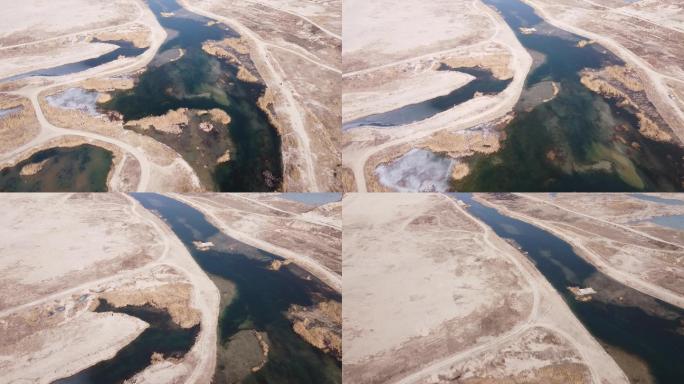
[[273, 80], [653, 77], [330, 278], [623, 277], [358, 152]]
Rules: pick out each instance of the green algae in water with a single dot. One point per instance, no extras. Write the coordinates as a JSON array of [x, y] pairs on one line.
[[200, 81], [83, 168], [578, 141], [213, 144]]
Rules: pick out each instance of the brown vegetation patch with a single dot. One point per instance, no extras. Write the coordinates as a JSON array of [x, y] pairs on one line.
[[172, 122], [622, 83], [218, 115], [566, 373], [462, 143], [107, 84], [459, 171], [137, 34], [231, 50], [175, 298], [319, 325], [33, 168], [346, 177], [499, 64], [18, 127]]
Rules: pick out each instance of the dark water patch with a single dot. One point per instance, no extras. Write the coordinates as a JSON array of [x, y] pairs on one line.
[[126, 49], [167, 56], [619, 316], [163, 336], [261, 300], [578, 141], [656, 199], [200, 81], [484, 83], [83, 168]]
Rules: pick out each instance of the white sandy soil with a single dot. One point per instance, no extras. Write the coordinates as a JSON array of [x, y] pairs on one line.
[[49, 260]]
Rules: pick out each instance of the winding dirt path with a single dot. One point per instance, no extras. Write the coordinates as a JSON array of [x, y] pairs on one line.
[[49, 131], [299, 15], [600, 365], [133, 208], [528, 323], [293, 215]]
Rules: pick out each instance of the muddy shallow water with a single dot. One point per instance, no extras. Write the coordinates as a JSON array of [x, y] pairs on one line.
[[417, 170], [75, 98], [10, 111]]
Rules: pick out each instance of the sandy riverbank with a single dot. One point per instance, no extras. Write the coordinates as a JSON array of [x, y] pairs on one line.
[[58, 292], [637, 255], [478, 36], [310, 242], [416, 238]]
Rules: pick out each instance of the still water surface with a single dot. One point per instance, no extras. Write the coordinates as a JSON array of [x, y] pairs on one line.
[[201, 81], [621, 318], [261, 300], [578, 141]]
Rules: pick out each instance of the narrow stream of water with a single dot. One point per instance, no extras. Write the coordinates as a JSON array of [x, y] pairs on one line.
[[484, 83], [578, 141], [260, 301], [125, 49], [623, 319]]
